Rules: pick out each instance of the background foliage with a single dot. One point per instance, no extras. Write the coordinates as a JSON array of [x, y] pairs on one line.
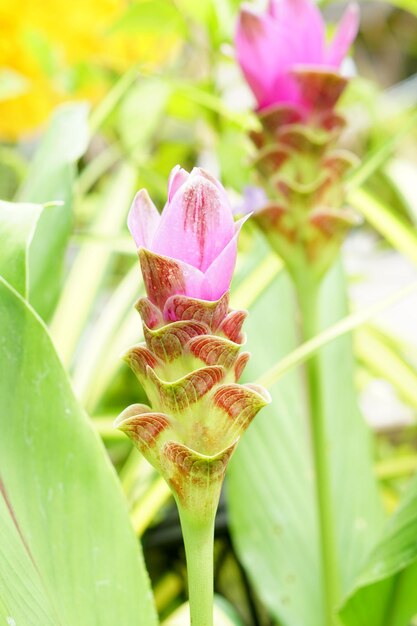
[[140, 87]]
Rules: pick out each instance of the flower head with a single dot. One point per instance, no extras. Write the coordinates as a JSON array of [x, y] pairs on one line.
[[189, 364], [272, 48], [190, 248]]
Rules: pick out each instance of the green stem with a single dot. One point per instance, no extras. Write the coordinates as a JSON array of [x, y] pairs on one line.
[[308, 297], [198, 541]]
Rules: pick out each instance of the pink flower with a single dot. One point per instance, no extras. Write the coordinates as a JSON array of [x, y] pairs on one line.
[[289, 37], [190, 249]]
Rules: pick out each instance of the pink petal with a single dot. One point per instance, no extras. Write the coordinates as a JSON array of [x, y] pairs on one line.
[[273, 8], [143, 219], [253, 39], [219, 274], [303, 23], [196, 225], [205, 174], [344, 36], [269, 45], [177, 177], [199, 171]]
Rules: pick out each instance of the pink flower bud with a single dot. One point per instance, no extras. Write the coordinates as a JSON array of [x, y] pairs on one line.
[[190, 249], [272, 47]]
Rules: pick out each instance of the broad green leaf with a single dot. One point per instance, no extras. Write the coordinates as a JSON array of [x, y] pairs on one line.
[[63, 495], [384, 592], [17, 226], [51, 177], [271, 488], [22, 596]]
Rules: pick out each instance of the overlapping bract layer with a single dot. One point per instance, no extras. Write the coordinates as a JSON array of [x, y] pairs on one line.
[[303, 214], [189, 366]]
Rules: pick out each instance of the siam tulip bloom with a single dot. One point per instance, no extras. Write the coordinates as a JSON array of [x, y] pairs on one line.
[[284, 56], [189, 249], [189, 364], [295, 77]]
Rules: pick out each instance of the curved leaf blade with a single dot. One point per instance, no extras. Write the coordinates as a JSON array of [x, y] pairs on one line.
[[271, 485], [61, 487], [384, 593], [17, 226], [22, 597], [51, 178]]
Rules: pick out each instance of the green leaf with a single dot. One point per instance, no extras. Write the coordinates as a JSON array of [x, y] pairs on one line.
[[271, 489], [63, 496], [17, 226], [22, 597], [51, 177], [384, 592]]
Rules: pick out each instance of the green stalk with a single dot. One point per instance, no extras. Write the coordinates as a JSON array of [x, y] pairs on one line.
[[198, 541], [308, 289]]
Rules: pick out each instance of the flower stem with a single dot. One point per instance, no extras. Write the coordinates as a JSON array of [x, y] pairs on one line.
[[308, 298], [198, 541]]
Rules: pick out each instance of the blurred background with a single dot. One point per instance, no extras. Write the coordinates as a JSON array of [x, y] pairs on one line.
[[99, 98]]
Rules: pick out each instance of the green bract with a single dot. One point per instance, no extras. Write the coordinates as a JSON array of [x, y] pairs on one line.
[[189, 369], [305, 219]]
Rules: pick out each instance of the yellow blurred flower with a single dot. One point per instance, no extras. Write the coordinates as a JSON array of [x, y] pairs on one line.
[[64, 49]]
